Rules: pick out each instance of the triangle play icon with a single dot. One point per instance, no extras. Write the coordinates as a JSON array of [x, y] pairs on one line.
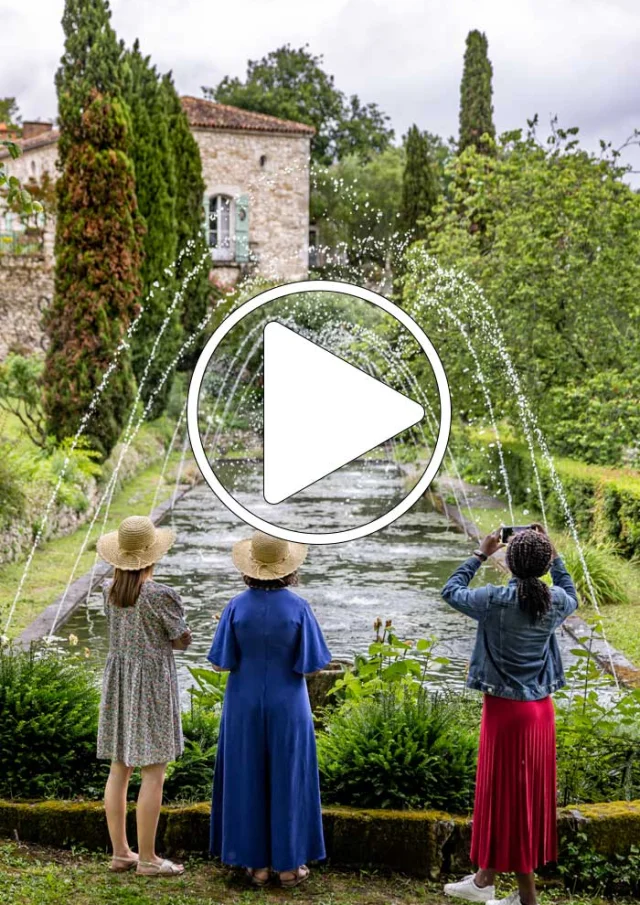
[[320, 412]]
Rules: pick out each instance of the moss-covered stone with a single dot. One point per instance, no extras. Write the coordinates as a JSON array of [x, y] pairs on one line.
[[611, 827], [320, 684], [421, 843], [186, 829]]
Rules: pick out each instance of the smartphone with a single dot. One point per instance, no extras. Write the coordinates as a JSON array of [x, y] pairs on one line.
[[508, 530]]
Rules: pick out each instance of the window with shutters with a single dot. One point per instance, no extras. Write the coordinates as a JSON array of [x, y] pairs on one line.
[[220, 231], [226, 221]]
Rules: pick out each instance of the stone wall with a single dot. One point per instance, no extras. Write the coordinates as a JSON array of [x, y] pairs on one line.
[[26, 288], [273, 171]]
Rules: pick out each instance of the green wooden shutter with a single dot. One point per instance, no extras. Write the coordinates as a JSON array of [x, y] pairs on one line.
[[242, 229]]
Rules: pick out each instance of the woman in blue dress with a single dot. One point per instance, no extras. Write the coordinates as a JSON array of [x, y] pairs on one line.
[[266, 793]]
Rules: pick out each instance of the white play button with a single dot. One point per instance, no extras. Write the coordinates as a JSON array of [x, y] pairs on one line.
[[320, 413]]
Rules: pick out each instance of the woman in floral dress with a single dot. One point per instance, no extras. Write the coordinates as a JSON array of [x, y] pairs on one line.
[[140, 723]]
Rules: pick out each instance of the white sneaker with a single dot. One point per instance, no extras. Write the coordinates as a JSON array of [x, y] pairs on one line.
[[513, 899], [469, 890]]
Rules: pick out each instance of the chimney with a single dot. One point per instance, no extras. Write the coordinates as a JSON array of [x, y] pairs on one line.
[[32, 129]]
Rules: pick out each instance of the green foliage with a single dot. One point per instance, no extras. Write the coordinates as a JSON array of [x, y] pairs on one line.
[[17, 196], [598, 743], [97, 286], [152, 154], [21, 394], [604, 502], [49, 707], [554, 270], [12, 494], [9, 112], [583, 868], [476, 108], [419, 184], [192, 275], [390, 662], [190, 777], [356, 206], [398, 750], [584, 412], [208, 692], [292, 84], [604, 574]]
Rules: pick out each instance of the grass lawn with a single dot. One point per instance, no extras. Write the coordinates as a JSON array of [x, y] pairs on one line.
[[33, 875], [52, 563]]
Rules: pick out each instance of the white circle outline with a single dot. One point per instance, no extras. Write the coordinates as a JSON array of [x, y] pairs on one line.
[[306, 537]]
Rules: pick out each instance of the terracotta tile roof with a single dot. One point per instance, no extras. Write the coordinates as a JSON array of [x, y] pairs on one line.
[[38, 141], [204, 114]]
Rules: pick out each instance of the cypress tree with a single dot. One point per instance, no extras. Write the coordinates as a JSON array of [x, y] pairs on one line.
[[419, 184], [153, 161], [476, 108], [191, 240], [92, 61], [97, 286]]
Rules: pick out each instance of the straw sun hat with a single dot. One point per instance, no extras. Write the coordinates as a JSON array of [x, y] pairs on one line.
[[265, 557], [136, 544]]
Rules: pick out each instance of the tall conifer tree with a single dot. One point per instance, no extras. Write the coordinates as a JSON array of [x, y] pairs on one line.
[[153, 160], [97, 285], [192, 244], [476, 108], [98, 235], [419, 184]]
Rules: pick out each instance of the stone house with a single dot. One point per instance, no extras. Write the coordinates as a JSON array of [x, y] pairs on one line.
[[255, 209]]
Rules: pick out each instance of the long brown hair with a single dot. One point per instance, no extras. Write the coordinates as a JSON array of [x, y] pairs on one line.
[[528, 557], [127, 584]]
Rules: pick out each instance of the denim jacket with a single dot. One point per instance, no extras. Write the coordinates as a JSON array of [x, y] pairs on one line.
[[512, 658]]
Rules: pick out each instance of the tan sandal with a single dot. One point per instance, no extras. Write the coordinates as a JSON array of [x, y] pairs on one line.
[[298, 876], [120, 864], [252, 874], [166, 868]]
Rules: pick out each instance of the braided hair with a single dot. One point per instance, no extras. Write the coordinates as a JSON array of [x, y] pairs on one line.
[[529, 556]]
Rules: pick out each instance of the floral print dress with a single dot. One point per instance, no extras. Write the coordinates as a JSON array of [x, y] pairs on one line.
[[140, 720]]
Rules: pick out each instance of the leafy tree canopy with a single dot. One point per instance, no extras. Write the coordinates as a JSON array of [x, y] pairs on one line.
[[292, 84], [9, 111], [357, 205], [558, 260]]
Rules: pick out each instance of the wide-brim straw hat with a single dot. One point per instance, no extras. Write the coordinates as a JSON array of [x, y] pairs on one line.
[[137, 544], [267, 558]]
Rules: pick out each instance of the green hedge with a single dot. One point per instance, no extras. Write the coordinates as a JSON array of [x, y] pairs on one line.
[[605, 502]]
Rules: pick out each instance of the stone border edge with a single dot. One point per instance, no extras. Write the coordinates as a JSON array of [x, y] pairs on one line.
[[427, 844]]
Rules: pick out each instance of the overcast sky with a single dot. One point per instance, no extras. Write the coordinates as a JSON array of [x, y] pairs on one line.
[[578, 59]]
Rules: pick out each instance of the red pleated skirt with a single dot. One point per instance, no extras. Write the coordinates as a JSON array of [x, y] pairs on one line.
[[514, 817]]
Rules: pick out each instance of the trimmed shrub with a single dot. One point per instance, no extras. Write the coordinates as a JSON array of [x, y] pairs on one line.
[[605, 502], [398, 751]]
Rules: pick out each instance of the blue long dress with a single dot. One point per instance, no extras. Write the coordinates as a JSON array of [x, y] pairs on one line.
[[266, 791]]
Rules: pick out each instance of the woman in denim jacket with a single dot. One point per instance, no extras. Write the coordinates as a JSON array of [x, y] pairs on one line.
[[516, 663]]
